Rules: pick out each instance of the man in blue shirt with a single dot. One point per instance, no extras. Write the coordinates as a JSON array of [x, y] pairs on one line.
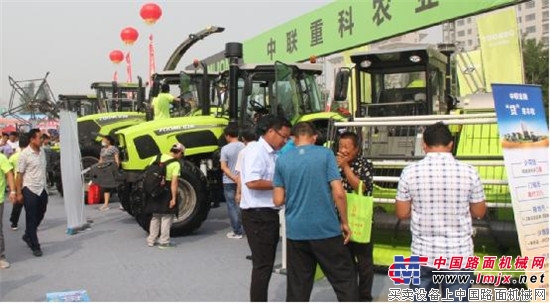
[[307, 180]]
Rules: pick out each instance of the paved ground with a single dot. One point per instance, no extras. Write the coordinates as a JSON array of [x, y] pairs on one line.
[[112, 262]]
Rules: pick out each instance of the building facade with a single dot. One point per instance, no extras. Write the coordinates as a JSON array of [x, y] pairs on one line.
[[532, 18]]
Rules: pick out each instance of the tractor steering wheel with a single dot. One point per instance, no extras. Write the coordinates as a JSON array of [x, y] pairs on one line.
[[256, 106]]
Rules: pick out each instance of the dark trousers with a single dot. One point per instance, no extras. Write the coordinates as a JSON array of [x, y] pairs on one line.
[[335, 261], [35, 208], [361, 254], [16, 213], [262, 232]]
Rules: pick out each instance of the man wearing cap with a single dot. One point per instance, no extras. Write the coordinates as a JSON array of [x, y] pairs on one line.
[[161, 103], [163, 221]]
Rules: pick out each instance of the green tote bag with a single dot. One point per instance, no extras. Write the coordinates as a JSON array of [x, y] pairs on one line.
[[360, 211]]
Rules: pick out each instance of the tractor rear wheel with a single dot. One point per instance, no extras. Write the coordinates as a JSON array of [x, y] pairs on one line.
[[193, 204]]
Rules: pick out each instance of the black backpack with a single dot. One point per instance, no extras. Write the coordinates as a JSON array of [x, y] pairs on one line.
[[154, 179]]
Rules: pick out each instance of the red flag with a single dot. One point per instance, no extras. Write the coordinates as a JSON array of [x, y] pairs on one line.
[[152, 66], [129, 67]]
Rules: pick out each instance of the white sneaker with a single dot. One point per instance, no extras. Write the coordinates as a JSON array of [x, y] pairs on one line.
[[4, 264], [232, 235]]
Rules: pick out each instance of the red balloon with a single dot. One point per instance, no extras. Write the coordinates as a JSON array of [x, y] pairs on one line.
[[129, 35], [150, 12], [116, 56]]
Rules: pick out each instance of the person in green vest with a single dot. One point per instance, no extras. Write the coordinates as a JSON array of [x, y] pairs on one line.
[[161, 103], [17, 207]]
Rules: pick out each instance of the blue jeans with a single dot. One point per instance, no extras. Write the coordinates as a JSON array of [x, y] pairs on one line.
[[229, 190], [426, 282]]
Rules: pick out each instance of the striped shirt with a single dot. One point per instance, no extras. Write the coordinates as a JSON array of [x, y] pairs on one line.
[[441, 189]]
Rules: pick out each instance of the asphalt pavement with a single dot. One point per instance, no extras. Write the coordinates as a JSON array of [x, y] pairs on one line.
[[112, 262]]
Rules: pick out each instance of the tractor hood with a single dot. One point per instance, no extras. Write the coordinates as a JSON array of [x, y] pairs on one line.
[[140, 143]]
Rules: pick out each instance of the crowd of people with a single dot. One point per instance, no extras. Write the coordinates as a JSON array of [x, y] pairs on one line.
[[26, 175], [283, 168]]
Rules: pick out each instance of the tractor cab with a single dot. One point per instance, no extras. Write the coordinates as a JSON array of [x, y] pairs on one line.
[[405, 82], [82, 105], [288, 90], [186, 85], [119, 97]]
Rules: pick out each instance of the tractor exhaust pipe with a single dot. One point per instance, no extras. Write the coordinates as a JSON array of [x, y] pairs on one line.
[[205, 87], [233, 52]]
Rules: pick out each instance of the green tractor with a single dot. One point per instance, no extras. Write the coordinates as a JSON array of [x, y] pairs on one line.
[[392, 89], [113, 107], [252, 91]]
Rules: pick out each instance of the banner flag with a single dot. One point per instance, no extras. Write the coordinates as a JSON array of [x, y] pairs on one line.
[[500, 49], [129, 67], [152, 66]]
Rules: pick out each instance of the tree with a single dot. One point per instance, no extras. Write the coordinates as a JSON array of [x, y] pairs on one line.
[[535, 64]]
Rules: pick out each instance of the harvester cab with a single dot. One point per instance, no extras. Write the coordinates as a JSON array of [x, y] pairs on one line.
[[405, 82], [397, 93]]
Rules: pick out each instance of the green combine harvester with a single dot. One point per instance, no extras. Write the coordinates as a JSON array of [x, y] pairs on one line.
[[394, 88]]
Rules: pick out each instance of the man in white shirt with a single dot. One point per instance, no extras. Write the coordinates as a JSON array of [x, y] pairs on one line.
[[260, 216], [31, 188]]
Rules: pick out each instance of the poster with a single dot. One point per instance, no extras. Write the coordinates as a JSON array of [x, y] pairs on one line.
[[523, 132]]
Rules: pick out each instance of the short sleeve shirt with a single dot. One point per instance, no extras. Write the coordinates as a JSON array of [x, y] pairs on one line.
[[5, 167], [229, 155], [108, 153], [305, 173], [172, 170], [364, 170], [161, 105], [33, 165], [239, 164], [257, 164], [441, 190]]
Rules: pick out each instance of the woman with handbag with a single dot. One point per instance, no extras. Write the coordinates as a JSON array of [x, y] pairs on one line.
[[357, 173], [108, 154]]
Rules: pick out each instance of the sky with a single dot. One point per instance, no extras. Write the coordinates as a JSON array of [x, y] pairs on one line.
[[72, 39]]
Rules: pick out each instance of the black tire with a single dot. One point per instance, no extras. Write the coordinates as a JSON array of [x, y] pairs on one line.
[[124, 192], [194, 204]]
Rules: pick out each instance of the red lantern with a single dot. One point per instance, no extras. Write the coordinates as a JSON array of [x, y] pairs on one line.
[[116, 56], [129, 35], [150, 12]]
